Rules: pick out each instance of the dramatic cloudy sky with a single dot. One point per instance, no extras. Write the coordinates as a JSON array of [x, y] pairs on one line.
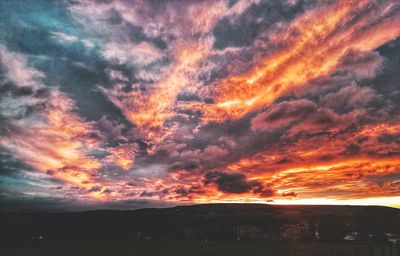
[[126, 104]]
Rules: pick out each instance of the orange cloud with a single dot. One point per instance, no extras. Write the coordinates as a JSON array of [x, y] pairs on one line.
[[123, 155], [310, 47], [57, 144], [320, 147]]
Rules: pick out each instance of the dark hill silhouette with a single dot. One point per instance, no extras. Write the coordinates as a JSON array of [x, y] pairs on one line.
[[206, 222]]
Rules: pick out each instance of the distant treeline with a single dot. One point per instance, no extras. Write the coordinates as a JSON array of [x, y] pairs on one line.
[[208, 222]]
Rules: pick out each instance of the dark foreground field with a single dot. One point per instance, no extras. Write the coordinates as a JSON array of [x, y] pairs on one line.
[[193, 248], [215, 229]]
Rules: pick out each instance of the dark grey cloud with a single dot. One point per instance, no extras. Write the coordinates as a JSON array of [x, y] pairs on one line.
[[252, 24], [281, 115], [236, 183]]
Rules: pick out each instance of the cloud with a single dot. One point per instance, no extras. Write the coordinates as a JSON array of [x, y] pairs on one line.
[[236, 183], [214, 151], [362, 65], [42, 129], [283, 114], [123, 155], [113, 101], [348, 97], [140, 55], [185, 27], [292, 65], [16, 70], [327, 120]]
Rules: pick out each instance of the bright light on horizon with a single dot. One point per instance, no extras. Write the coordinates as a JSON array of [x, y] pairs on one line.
[[376, 201]]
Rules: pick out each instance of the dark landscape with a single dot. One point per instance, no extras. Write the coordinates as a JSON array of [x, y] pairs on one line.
[[211, 229]]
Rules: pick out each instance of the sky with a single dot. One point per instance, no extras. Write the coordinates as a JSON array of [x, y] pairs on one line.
[[114, 104]]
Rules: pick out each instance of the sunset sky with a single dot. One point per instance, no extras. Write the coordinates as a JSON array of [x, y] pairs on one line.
[[131, 104]]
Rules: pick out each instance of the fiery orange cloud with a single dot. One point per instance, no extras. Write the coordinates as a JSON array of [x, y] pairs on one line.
[[123, 155], [376, 130], [311, 168], [50, 138], [200, 114], [310, 47], [57, 144], [149, 108], [341, 180], [153, 109], [310, 173], [315, 150]]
